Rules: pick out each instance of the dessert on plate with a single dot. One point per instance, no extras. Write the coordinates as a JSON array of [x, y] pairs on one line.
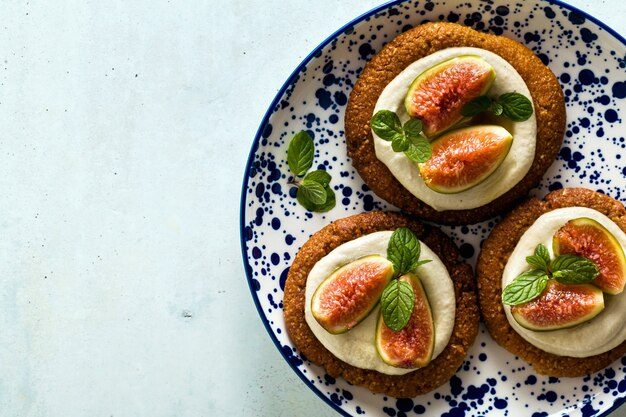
[[551, 281], [454, 125], [346, 305]]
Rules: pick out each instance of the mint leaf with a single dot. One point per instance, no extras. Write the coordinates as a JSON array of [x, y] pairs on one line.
[[313, 191], [412, 128], [541, 258], [496, 108], [515, 106], [403, 250], [525, 287], [396, 304], [300, 153], [538, 262], [330, 201], [318, 208], [476, 106], [408, 138], [400, 144], [419, 150], [320, 176], [304, 201], [542, 252], [386, 125], [422, 262], [572, 269]]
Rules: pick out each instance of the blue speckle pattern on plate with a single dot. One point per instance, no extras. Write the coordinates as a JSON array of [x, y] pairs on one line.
[[589, 60]]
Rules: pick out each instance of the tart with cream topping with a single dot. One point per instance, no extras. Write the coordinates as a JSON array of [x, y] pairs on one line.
[[338, 317], [551, 277], [442, 75]]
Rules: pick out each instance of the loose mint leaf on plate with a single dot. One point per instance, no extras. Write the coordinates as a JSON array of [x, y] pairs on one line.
[[318, 208], [515, 106], [386, 125], [403, 250], [329, 203], [525, 287], [300, 153], [320, 176], [572, 269], [396, 304], [313, 191]]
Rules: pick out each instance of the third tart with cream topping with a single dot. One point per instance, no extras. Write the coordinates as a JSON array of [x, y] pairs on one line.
[[596, 329], [541, 295]]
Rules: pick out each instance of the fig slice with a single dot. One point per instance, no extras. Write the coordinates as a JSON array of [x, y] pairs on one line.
[[560, 306], [588, 238], [350, 293], [464, 158], [438, 94], [411, 347]]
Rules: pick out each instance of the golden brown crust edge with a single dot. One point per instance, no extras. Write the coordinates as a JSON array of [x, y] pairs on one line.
[[415, 44], [493, 258], [441, 369]]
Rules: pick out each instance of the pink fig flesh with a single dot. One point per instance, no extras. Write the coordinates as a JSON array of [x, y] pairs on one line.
[[438, 94], [411, 347], [560, 306], [349, 294], [588, 238]]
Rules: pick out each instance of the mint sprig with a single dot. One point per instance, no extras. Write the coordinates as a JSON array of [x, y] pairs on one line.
[[314, 191], [566, 269], [513, 106], [407, 138], [397, 300]]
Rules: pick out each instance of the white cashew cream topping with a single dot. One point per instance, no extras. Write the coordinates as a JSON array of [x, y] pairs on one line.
[[506, 176], [357, 346], [600, 334]]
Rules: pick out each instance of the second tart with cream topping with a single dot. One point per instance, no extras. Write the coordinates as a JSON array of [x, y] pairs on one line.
[[388, 67]]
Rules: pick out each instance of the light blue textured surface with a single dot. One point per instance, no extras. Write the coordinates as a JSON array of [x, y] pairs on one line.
[[125, 130]]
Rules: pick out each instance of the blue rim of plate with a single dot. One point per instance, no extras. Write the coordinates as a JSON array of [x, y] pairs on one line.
[[255, 144]]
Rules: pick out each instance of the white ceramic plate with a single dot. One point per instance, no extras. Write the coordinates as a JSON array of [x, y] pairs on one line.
[[589, 61]]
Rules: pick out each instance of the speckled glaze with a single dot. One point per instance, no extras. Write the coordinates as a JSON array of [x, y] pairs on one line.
[[589, 60]]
